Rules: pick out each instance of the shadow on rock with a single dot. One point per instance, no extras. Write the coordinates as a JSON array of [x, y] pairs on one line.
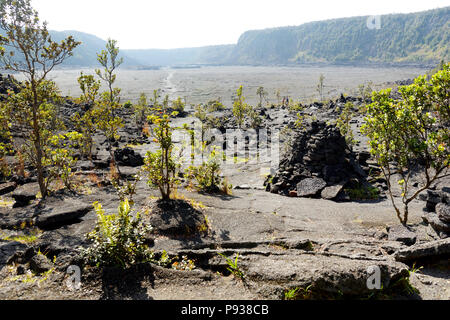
[[219, 195], [122, 284], [176, 218]]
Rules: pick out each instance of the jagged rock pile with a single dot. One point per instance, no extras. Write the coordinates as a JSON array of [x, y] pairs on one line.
[[437, 211], [320, 164], [8, 83], [128, 157]]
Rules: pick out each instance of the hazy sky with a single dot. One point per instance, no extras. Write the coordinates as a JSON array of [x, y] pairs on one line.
[[143, 24]]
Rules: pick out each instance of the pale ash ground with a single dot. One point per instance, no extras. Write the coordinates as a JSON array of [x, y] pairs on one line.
[[204, 84]]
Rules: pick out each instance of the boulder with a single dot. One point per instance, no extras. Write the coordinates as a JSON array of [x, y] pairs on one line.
[[443, 211], [327, 274], [310, 187], [9, 250], [62, 213], [24, 194], [175, 217], [402, 234], [7, 187], [433, 250], [128, 157], [331, 193], [437, 224], [40, 264]]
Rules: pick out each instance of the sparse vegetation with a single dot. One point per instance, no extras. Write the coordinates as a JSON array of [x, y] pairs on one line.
[[233, 266], [207, 174], [321, 86]]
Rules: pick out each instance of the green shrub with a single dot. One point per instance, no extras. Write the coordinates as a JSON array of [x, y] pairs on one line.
[[118, 239], [178, 105], [363, 193], [207, 175]]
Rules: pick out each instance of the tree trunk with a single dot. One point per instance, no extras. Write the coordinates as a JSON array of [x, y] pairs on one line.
[[37, 143]]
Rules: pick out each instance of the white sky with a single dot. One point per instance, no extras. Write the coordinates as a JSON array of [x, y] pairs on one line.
[[145, 24]]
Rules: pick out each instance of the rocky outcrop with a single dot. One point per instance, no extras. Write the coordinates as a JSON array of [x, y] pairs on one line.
[[7, 187], [175, 217], [402, 234], [9, 250], [319, 164], [63, 213], [40, 264], [425, 252], [128, 157], [24, 194], [437, 211]]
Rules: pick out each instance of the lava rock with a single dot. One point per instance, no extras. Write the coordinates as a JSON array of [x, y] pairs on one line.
[[7, 187], [310, 187], [432, 250], [10, 250], [331, 193], [128, 157], [443, 211], [318, 152], [24, 194], [40, 264], [402, 234], [436, 223], [175, 217], [63, 213]]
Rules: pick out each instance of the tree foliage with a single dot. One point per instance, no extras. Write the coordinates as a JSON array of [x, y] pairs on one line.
[[343, 123], [411, 135], [161, 166], [31, 51], [105, 111], [240, 108], [84, 123]]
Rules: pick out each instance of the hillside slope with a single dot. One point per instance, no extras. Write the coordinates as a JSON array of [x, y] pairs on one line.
[[417, 37]]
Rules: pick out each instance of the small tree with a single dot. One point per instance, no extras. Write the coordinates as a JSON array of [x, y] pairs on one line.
[[262, 95], [161, 167], [255, 118], [141, 111], [240, 107], [411, 135], [365, 91], [321, 86], [106, 108], [6, 145], [343, 123], [33, 53], [155, 99], [178, 105], [278, 96], [85, 123], [60, 157]]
